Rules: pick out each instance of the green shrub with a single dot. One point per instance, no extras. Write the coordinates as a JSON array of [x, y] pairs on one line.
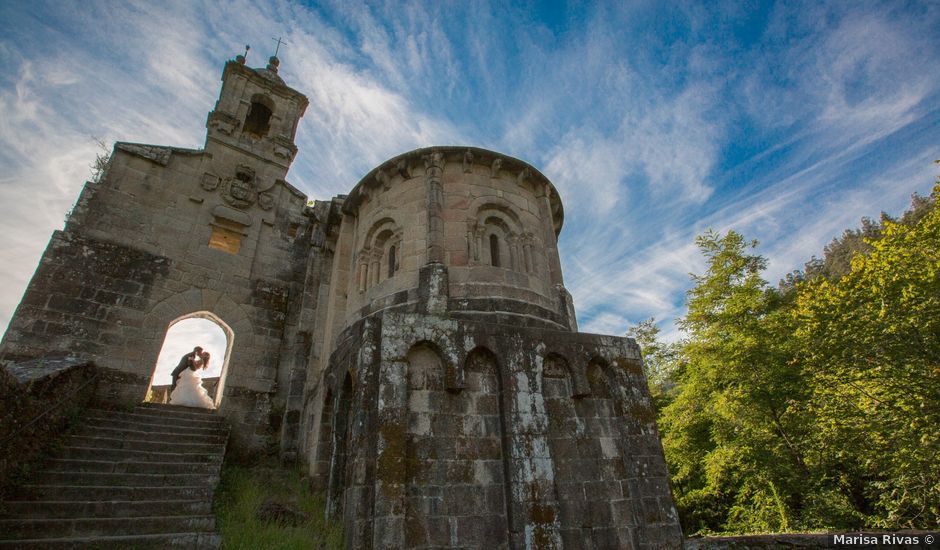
[[244, 489]]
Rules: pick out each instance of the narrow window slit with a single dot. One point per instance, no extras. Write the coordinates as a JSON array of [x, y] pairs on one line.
[[494, 250]]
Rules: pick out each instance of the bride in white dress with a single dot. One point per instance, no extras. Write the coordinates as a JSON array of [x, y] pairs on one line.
[[189, 391]]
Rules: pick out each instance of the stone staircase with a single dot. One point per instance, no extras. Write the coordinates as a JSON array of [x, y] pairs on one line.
[[139, 479]]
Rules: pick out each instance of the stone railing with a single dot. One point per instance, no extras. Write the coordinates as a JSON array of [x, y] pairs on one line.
[[37, 398], [161, 393]]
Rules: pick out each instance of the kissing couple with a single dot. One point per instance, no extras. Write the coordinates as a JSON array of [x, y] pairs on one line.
[[187, 389]]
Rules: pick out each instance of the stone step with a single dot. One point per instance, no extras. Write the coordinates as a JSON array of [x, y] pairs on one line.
[[156, 436], [194, 541], [168, 425], [104, 509], [180, 408], [132, 445], [124, 479], [86, 527], [128, 467], [155, 417], [107, 493], [176, 411], [79, 452], [163, 411], [138, 479]]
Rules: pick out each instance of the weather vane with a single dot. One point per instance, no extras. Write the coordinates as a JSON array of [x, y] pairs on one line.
[[279, 42]]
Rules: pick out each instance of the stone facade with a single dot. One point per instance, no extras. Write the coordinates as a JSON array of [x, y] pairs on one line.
[[411, 343], [170, 233]]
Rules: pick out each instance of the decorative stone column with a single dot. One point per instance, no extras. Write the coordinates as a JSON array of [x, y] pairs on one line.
[[472, 251], [363, 275], [375, 267], [551, 243], [527, 253], [434, 168], [480, 254]]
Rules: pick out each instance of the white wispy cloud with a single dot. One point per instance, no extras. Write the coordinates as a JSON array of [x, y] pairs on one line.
[[654, 122], [856, 95]]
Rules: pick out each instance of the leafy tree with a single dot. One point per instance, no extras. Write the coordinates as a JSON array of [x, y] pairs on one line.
[[837, 255], [815, 404], [870, 348], [660, 360], [735, 432]]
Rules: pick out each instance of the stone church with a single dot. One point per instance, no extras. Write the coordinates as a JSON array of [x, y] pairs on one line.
[[411, 344]]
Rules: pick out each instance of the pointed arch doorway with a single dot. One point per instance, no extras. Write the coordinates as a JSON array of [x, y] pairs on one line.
[[200, 328]]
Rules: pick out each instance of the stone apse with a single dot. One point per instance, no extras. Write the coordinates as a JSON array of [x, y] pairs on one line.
[[411, 344]]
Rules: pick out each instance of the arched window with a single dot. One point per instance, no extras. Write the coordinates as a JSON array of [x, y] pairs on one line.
[[391, 261], [378, 258], [258, 121], [494, 250]]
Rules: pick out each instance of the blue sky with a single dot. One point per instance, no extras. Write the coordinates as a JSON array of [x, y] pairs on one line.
[[785, 121]]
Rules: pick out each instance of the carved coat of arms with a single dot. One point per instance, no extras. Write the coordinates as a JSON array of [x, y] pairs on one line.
[[240, 191]]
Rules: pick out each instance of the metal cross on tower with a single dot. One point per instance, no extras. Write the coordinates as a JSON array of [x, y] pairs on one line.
[[279, 42]]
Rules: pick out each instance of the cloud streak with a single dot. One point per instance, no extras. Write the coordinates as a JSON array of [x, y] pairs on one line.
[[787, 123]]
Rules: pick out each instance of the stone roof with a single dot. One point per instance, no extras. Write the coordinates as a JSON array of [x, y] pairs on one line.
[[159, 154], [270, 75], [26, 372], [454, 153]]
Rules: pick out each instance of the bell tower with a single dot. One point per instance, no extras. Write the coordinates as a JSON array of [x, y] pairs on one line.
[[255, 119]]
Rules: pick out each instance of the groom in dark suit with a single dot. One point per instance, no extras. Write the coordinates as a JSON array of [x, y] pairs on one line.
[[186, 362]]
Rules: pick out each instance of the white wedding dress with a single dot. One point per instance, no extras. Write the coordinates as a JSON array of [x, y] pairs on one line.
[[189, 391]]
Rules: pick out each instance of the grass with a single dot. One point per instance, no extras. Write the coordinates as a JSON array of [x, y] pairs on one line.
[[241, 493]]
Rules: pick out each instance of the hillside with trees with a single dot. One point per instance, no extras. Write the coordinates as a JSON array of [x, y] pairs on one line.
[[813, 404]]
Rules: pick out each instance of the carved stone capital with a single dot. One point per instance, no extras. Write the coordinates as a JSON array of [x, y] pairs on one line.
[[222, 122], [284, 148], [524, 176], [468, 161], [402, 168], [434, 162], [495, 167], [383, 179]]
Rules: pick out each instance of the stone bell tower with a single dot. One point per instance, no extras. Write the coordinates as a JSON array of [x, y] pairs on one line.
[[249, 143], [256, 116]]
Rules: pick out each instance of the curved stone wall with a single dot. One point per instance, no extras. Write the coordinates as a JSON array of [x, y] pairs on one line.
[[492, 220]]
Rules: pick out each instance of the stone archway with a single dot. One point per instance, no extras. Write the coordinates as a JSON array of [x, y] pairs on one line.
[[208, 304], [217, 388]]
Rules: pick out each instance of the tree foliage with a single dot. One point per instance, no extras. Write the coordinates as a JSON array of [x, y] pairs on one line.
[[814, 404], [733, 430], [660, 359], [872, 343]]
